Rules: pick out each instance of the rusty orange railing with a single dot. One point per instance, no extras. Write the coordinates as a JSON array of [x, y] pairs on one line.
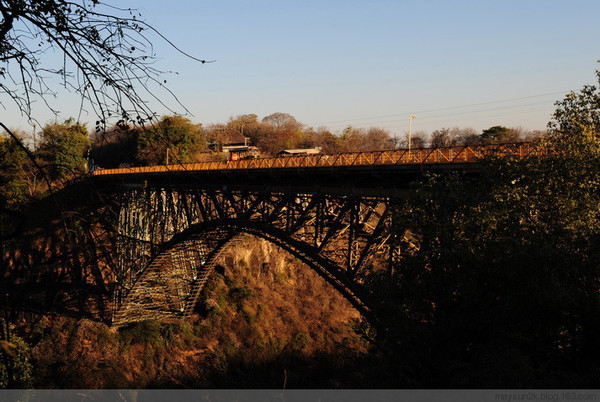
[[461, 154]]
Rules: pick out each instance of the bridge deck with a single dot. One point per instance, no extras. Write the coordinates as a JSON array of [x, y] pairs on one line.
[[402, 157]]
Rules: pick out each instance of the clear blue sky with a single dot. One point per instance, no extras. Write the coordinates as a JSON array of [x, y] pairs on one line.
[[373, 63]]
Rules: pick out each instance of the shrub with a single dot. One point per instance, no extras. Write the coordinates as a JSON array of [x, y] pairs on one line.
[[16, 353], [141, 332]]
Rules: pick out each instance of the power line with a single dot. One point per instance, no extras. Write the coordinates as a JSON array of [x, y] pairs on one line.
[[452, 118], [378, 118], [492, 102], [484, 110]]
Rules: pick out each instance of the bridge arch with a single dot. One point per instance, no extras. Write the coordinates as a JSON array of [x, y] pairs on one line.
[[170, 284]]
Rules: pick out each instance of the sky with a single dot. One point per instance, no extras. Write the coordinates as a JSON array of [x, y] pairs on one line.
[[333, 63]]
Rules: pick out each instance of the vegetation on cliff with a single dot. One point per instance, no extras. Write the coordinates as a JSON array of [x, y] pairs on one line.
[[265, 321]]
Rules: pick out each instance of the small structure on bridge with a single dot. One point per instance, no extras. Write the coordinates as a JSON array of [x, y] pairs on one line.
[[237, 152], [298, 152], [238, 147]]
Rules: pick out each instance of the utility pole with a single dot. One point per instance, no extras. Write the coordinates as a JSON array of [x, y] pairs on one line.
[[410, 130], [167, 157]]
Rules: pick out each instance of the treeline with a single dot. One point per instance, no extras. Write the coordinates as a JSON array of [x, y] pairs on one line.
[[26, 172], [67, 149], [183, 141]]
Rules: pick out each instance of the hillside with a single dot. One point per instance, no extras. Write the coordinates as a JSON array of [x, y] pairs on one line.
[[264, 321]]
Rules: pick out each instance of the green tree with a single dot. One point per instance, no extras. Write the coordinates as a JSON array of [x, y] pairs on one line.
[[575, 126], [17, 185], [499, 135], [64, 148], [16, 370], [175, 136], [578, 111], [13, 163]]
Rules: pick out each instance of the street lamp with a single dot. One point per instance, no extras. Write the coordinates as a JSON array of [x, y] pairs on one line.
[[410, 130]]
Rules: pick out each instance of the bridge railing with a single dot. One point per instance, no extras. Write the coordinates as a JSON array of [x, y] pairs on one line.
[[459, 154]]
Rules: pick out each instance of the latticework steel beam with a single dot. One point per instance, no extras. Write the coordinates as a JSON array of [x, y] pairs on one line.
[[169, 240]]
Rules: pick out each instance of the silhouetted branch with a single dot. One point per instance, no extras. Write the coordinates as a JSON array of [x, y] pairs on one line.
[[108, 59]]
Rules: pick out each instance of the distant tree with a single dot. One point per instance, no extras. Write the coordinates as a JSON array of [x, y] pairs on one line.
[[281, 120], [274, 133], [350, 139], [377, 139], [417, 140], [359, 139], [115, 146], [64, 148], [308, 139], [464, 136], [441, 138], [276, 140], [322, 137], [249, 118], [534, 135], [182, 138], [244, 126], [282, 131], [499, 135], [217, 135]]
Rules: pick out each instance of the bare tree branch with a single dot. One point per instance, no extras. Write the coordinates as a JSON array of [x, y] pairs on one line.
[[108, 58]]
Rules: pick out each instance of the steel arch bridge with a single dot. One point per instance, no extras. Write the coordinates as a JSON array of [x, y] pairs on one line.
[[169, 241], [333, 212]]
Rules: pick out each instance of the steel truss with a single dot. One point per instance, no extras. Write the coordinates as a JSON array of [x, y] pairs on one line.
[[169, 240]]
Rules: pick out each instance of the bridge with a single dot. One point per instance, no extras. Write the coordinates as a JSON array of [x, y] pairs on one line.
[[333, 212]]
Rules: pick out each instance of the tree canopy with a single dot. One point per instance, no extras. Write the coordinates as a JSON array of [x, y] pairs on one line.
[[173, 137], [13, 163], [498, 134], [64, 148], [578, 111]]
